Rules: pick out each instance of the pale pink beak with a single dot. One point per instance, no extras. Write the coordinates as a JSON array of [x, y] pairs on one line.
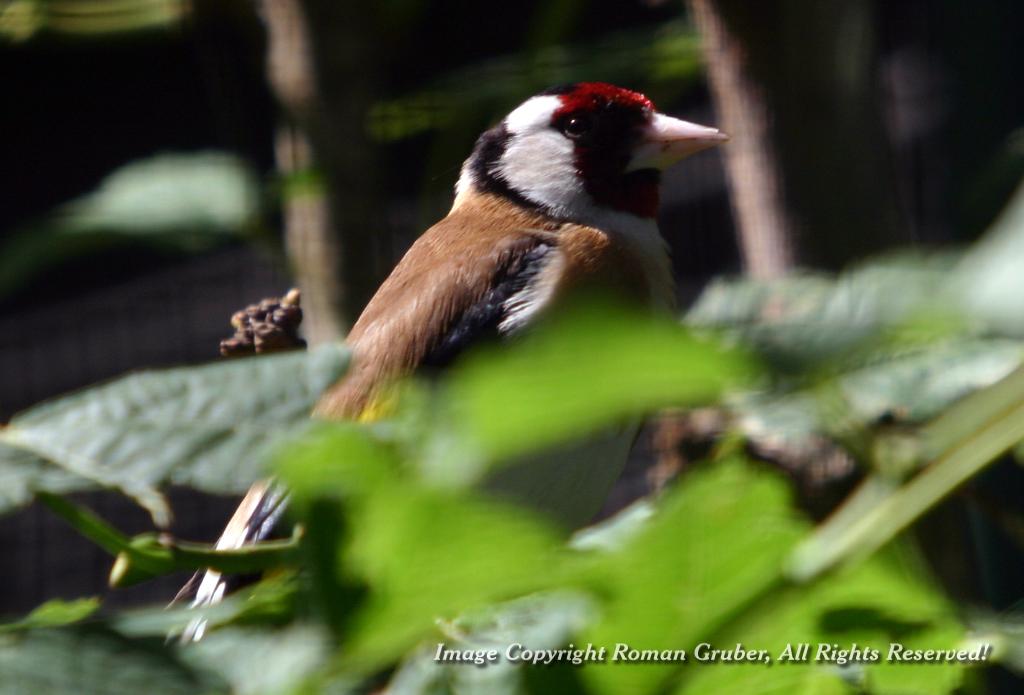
[[666, 140]]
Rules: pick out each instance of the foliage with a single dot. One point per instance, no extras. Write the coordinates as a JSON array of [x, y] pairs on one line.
[[205, 427], [671, 60], [21, 20], [402, 549], [176, 202]]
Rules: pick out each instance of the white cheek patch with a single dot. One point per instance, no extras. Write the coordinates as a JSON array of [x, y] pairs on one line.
[[540, 166], [538, 162], [531, 119]]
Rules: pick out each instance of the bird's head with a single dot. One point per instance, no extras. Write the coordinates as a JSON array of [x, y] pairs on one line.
[[582, 150]]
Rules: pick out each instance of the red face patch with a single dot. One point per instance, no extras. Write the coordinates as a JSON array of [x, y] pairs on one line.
[[587, 96], [604, 122]]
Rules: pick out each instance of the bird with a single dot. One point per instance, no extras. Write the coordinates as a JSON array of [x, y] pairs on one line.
[[559, 197]]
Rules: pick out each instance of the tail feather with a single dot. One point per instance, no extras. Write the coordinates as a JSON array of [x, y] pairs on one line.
[[253, 520]]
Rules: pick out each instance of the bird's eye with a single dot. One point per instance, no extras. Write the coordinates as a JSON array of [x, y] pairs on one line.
[[577, 126]]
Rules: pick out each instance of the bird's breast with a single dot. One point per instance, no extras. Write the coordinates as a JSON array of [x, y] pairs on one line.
[[629, 258]]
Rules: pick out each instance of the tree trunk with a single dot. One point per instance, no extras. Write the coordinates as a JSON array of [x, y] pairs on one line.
[[321, 66]]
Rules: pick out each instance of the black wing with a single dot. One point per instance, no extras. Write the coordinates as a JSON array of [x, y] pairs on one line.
[[481, 321]]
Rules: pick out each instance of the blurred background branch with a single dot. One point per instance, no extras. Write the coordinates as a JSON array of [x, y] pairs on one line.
[[322, 64], [810, 171], [310, 241]]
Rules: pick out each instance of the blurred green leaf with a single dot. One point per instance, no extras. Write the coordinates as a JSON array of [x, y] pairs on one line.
[[714, 546], [592, 368], [988, 282], [429, 554], [181, 202], [21, 20], [424, 553], [209, 427], [879, 309], [262, 661], [985, 196], [55, 613], [907, 388], [187, 194], [548, 422], [804, 322], [93, 661], [888, 599], [663, 57], [340, 459], [708, 568], [894, 341], [541, 621], [23, 474], [921, 384]]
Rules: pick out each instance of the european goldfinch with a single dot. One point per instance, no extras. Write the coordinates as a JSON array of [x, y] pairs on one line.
[[559, 196]]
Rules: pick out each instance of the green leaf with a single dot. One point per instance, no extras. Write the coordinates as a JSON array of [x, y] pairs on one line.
[[23, 474], [341, 459], [541, 621], [715, 544], [707, 568], [888, 599], [199, 193], [148, 555], [617, 531], [987, 282], [429, 554], [21, 20], [181, 202], [548, 422], [209, 427], [802, 322], [920, 385], [92, 661], [593, 368], [262, 661], [55, 613], [910, 387], [423, 553]]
